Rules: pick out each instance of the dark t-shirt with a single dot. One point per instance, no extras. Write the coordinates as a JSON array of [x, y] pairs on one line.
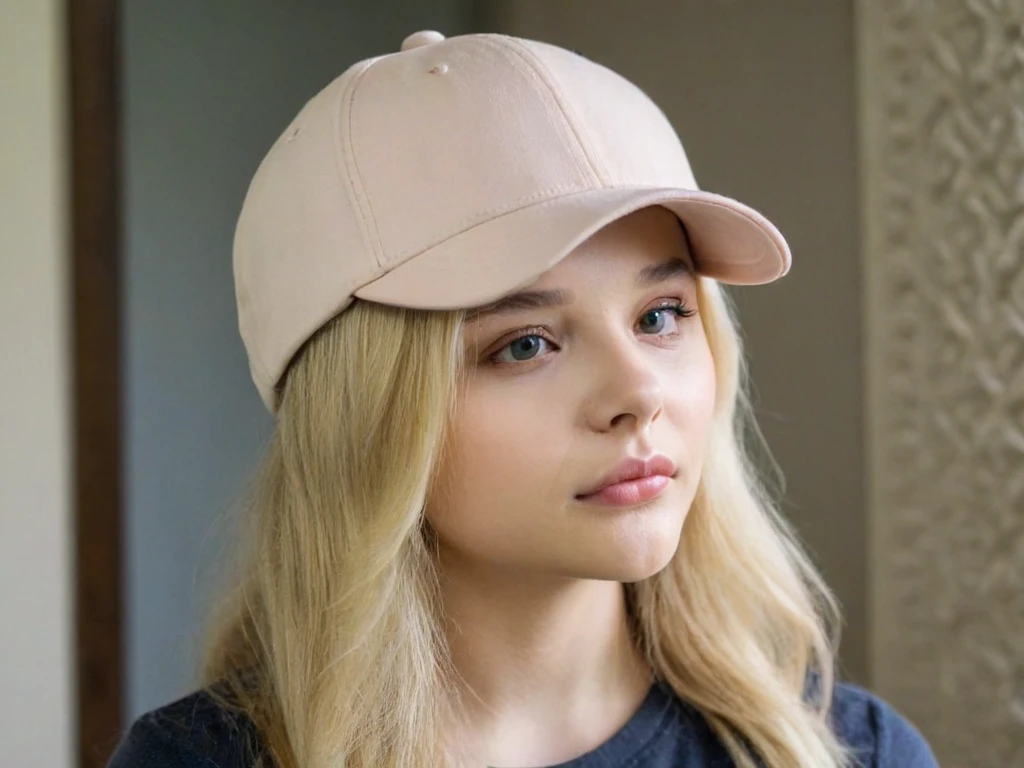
[[665, 732]]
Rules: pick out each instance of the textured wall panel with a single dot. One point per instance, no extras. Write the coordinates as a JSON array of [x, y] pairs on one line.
[[942, 106]]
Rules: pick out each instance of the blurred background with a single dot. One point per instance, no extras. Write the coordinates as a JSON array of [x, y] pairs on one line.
[[884, 137]]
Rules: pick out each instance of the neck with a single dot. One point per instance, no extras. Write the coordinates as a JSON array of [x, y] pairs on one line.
[[538, 657]]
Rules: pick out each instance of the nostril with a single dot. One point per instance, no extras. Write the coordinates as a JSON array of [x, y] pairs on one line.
[[440, 69]]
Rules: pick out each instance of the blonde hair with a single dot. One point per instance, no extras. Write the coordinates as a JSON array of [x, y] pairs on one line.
[[329, 641]]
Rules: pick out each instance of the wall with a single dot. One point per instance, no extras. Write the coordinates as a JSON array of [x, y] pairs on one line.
[[942, 86], [37, 696], [763, 96], [207, 88]]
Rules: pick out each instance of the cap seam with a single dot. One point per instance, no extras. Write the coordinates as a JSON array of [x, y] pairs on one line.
[[696, 196], [568, 113], [521, 203], [566, 191], [531, 200], [500, 210], [583, 162], [367, 220]]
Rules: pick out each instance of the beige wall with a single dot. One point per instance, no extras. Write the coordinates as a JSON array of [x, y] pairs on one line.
[[35, 628], [763, 95], [942, 89]]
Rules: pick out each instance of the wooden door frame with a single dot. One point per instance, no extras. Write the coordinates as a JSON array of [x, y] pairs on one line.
[[94, 141]]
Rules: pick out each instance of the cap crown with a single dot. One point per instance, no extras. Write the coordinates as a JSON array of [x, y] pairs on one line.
[[404, 151]]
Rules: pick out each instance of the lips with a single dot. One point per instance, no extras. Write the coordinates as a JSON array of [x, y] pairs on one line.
[[634, 469]]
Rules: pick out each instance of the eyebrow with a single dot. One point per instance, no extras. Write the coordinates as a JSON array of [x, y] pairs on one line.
[[524, 300], [659, 273]]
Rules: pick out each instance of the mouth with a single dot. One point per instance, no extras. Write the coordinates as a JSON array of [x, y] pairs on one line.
[[633, 481]]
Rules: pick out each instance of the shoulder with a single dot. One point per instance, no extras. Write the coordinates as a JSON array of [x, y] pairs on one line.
[[191, 732], [876, 731]]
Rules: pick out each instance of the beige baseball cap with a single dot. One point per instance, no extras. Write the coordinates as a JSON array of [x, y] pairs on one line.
[[454, 172]]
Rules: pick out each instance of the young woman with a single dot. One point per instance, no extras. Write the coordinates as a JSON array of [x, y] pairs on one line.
[[508, 516]]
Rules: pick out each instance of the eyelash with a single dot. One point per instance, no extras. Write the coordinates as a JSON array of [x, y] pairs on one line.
[[678, 308]]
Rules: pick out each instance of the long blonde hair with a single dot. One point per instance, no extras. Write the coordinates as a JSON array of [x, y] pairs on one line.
[[329, 640]]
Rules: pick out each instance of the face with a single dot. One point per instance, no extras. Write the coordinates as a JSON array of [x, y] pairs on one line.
[[603, 360]]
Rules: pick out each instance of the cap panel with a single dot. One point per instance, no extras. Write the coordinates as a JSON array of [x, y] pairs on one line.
[[449, 134], [299, 248], [633, 138]]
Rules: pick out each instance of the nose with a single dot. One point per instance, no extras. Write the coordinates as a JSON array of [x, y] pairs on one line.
[[627, 392]]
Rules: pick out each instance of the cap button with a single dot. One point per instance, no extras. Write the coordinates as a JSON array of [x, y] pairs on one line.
[[418, 39]]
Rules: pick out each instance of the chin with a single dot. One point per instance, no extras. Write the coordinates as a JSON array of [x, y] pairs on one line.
[[642, 560], [644, 568], [644, 545]]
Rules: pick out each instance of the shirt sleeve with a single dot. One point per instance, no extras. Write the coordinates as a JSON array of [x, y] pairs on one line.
[[880, 736], [898, 743], [193, 732], [147, 745]]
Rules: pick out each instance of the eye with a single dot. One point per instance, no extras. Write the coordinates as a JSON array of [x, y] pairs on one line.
[[521, 349], [654, 320]]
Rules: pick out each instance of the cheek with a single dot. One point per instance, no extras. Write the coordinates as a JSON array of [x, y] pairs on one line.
[[707, 393], [690, 400], [493, 471]]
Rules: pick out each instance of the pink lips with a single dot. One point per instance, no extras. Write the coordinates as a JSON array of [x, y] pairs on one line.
[[633, 481]]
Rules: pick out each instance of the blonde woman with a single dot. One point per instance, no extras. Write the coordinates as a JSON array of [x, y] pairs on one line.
[[507, 516]]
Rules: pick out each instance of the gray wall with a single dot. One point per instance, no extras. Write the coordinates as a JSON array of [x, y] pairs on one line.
[[763, 95], [207, 88]]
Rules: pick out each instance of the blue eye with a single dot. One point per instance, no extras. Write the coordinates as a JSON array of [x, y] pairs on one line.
[[658, 316], [522, 349], [676, 311]]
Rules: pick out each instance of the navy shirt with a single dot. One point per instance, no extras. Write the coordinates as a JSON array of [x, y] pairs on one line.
[[665, 732]]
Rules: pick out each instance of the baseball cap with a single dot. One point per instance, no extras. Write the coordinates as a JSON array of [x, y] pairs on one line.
[[456, 171]]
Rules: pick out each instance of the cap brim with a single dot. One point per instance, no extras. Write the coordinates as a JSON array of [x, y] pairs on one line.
[[731, 243]]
